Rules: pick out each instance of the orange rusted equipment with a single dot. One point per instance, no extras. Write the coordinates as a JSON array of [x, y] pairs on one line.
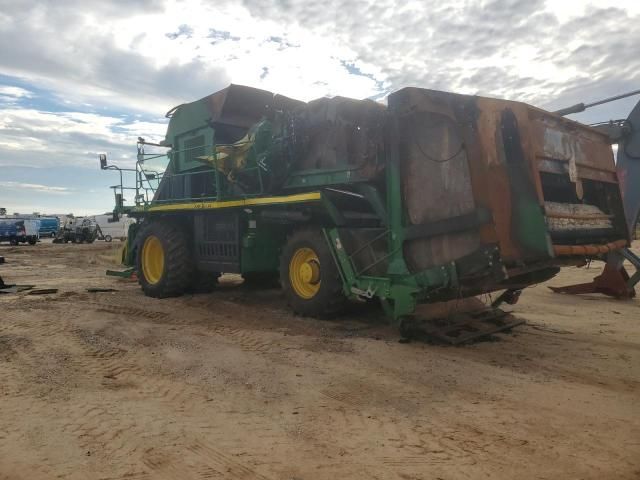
[[614, 280]]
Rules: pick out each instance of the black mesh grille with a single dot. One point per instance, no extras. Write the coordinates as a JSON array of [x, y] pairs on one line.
[[194, 148], [217, 242]]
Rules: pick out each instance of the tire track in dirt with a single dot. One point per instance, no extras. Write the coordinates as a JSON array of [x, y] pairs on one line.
[[119, 435], [197, 460], [25, 359], [212, 458], [94, 427], [181, 400], [128, 311], [111, 361], [359, 393], [196, 308], [248, 340], [109, 427], [128, 475]]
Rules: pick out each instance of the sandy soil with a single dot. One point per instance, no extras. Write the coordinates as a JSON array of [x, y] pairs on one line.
[[232, 386]]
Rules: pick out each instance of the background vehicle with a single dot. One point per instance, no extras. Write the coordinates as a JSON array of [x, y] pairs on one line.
[[77, 230], [49, 226], [436, 197], [18, 230], [113, 228]]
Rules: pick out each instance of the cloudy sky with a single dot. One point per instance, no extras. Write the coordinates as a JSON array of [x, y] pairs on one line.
[[82, 77]]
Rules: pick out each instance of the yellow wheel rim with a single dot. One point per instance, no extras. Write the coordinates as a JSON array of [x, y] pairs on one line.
[[304, 273], [152, 259]]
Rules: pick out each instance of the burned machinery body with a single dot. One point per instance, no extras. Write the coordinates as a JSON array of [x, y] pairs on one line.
[[434, 197]]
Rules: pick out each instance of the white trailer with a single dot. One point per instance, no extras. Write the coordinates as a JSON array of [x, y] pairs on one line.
[[113, 230]]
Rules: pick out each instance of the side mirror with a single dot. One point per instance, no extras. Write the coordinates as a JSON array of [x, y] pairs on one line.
[[103, 161]]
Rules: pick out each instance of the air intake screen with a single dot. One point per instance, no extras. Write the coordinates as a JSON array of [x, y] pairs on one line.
[[193, 148]]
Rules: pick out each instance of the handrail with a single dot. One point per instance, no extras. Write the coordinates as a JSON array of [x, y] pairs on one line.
[[144, 183]]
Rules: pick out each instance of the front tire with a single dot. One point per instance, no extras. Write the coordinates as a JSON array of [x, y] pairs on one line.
[[107, 238], [163, 261], [309, 276]]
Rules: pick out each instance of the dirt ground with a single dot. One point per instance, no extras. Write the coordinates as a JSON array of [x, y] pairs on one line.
[[230, 385]]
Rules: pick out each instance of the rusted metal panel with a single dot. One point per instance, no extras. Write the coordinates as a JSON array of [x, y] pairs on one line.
[[585, 152], [476, 152], [470, 152], [560, 167], [517, 202], [589, 250], [436, 179], [562, 139], [487, 162]]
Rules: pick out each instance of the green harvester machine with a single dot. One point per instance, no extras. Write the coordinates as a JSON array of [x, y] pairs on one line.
[[433, 197]]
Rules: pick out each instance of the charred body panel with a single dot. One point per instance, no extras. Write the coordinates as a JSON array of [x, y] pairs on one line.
[[340, 134], [510, 159]]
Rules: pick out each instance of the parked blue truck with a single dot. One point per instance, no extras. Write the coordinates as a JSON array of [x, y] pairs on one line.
[[18, 230], [49, 226]]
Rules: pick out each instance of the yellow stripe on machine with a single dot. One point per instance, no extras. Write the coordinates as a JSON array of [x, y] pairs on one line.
[[245, 202]]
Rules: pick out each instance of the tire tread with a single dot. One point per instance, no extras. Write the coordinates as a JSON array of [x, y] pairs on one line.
[[330, 299], [179, 266]]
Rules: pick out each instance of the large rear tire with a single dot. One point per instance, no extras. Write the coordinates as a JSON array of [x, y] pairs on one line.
[[164, 262], [309, 276]]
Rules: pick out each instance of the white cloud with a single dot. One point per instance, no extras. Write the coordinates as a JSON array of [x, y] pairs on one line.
[[40, 138], [16, 92], [35, 187], [10, 95], [157, 54], [143, 68]]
